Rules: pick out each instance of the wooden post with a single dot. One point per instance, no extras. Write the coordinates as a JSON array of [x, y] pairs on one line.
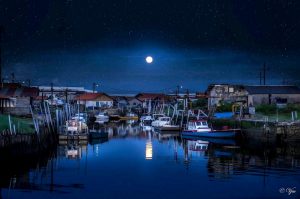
[[181, 123], [57, 119], [9, 123]]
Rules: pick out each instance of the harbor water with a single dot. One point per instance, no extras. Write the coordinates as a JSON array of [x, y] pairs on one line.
[[135, 162]]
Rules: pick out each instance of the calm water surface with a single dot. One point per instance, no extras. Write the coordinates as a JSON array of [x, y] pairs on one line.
[[136, 163]]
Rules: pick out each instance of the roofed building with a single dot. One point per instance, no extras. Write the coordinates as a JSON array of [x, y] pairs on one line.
[[17, 99], [272, 94], [157, 97], [95, 100], [218, 93], [252, 95]]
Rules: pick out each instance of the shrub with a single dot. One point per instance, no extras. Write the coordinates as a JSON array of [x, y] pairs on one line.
[[266, 109], [225, 107]]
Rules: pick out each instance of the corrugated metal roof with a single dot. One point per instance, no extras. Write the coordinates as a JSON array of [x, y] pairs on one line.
[[90, 96], [271, 89], [19, 92], [152, 96]]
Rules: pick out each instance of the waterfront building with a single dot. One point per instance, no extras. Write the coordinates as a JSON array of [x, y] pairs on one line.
[[272, 94], [95, 100], [252, 95], [16, 99]]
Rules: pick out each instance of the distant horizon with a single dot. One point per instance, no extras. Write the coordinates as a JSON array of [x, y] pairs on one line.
[[125, 71]]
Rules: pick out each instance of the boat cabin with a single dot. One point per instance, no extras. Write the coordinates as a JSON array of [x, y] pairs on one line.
[[161, 121], [164, 119], [198, 125]]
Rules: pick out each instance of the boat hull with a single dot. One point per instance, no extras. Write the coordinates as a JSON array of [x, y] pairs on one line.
[[168, 128], [211, 134]]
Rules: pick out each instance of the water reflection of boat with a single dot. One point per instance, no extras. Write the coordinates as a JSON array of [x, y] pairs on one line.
[[198, 145], [167, 135], [102, 121], [73, 152], [129, 116], [98, 141], [213, 140], [96, 134], [146, 128], [220, 153]]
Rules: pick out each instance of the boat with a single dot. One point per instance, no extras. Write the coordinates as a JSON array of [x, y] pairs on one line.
[[76, 126], [200, 128], [161, 121], [164, 124], [156, 116], [75, 129], [146, 120], [169, 127], [79, 118], [102, 117], [129, 116]]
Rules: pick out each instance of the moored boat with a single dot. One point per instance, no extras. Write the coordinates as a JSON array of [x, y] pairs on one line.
[[146, 120], [129, 116], [100, 117], [161, 121], [200, 128], [169, 127]]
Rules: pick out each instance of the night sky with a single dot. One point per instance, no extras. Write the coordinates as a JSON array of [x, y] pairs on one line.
[[193, 42]]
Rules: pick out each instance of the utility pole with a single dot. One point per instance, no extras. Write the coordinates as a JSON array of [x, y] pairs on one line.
[[177, 90], [52, 97], [1, 35], [94, 87], [264, 73], [12, 77], [260, 76]]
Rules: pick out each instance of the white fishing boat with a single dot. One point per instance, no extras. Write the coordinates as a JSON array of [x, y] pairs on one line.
[[76, 126], [161, 121], [100, 117], [146, 120], [79, 118]]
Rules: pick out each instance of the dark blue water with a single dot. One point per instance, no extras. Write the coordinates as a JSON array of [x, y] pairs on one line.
[[136, 164]]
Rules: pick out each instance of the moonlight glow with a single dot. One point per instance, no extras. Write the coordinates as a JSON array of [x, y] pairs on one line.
[[149, 59]]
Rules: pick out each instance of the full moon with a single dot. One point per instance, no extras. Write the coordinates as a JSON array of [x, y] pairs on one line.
[[149, 59]]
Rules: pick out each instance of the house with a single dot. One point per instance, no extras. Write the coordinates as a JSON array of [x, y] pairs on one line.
[[95, 100], [120, 101], [272, 94], [145, 98], [16, 99], [252, 95], [133, 102], [62, 93], [217, 93]]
